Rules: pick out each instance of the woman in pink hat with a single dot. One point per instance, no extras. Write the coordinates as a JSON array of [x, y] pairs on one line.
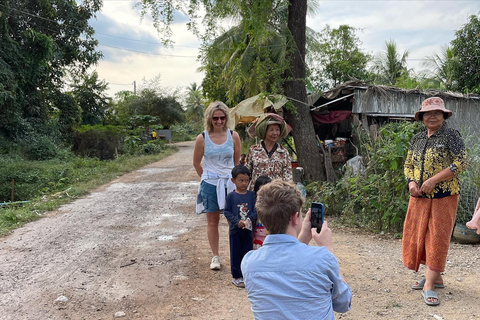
[[434, 161]]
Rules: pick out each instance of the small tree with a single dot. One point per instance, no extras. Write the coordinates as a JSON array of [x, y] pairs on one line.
[[89, 92], [339, 58], [466, 49]]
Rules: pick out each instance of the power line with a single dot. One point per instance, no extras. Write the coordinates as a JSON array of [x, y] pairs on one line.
[[152, 53]]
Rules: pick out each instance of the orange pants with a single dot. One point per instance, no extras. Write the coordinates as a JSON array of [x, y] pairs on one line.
[[427, 231]]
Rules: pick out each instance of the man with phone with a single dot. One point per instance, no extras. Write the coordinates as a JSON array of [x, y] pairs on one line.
[[287, 278]]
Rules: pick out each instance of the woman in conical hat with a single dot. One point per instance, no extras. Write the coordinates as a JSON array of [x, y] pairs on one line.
[[268, 157]]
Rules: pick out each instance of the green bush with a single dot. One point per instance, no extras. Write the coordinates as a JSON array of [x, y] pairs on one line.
[[102, 142], [377, 198], [40, 147]]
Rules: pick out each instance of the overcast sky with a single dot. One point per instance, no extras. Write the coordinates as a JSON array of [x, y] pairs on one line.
[[132, 51]]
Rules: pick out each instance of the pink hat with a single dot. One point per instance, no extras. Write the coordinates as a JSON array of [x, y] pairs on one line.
[[432, 104]]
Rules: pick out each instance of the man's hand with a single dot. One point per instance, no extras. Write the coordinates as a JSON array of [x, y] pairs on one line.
[[325, 237], [241, 224], [305, 236]]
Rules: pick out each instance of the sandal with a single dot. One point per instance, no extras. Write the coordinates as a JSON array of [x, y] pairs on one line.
[[419, 285], [430, 294]]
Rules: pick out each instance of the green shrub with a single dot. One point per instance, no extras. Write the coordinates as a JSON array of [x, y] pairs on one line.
[[153, 147], [40, 147], [102, 142], [377, 198]]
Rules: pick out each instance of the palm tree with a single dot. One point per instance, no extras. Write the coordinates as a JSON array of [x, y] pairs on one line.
[[389, 65], [195, 103], [252, 54], [439, 67]]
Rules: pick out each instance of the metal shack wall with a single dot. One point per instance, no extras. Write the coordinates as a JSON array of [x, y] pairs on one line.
[[465, 118]]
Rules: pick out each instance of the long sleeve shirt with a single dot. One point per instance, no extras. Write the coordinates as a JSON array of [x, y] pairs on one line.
[[428, 156], [239, 207], [276, 166], [287, 279]]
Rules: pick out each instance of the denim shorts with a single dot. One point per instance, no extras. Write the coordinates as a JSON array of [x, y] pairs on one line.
[[208, 192]]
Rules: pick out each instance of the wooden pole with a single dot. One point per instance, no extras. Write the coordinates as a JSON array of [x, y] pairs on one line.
[[13, 189]]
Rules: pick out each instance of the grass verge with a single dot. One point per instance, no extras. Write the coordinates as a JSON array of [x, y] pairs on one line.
[[12, 217]]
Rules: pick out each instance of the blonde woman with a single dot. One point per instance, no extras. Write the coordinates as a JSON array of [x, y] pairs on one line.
[[220, 150]]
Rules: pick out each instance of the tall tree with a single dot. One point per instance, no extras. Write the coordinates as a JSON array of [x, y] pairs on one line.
[[39, 41], [148, 104], [466, 49], [259, 15], [300, 118], [390, 65]]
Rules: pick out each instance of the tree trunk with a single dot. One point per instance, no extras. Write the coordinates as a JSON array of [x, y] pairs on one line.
[[303, 133]]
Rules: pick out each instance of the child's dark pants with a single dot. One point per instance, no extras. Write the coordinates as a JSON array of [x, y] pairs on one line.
[[240, 243]]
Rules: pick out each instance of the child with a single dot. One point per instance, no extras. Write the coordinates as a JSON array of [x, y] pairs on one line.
[[240, 212], [259, 232]]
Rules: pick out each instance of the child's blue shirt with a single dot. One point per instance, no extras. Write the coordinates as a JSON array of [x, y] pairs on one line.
[[240, 207]]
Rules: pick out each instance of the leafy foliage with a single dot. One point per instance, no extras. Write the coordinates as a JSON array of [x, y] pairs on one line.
[[440, 68], [40, 41], [147, 109], [389, 65], [338, 58], [377, 198], [194, 103], [102, 142], [89, 93]]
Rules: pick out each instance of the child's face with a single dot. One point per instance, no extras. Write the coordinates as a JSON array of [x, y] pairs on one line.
[[241, 182]]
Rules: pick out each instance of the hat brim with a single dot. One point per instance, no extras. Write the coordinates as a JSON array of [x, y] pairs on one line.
[[264, 122], [433, 108]]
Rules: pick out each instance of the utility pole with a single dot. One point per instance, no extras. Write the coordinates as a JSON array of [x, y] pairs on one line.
[[134, 88]]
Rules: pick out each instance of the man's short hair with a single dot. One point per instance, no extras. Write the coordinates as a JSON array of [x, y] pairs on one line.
[[240, 170], [277, 202]]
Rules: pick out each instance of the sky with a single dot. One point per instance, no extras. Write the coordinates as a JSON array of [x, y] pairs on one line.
[[133, 52]]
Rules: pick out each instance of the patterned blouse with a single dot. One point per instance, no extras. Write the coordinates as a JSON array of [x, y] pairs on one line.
[[278, 166], [428, 156]]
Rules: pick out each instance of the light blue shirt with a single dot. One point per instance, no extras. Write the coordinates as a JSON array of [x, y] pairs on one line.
[[287, 279]]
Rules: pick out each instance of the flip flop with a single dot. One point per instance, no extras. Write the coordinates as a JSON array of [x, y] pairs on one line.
[[421, 283], [429, 294]]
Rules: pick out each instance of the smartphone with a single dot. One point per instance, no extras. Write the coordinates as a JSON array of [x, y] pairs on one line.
[[316, 217]]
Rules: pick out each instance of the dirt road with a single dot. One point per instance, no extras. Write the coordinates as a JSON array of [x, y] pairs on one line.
[[135, 249]]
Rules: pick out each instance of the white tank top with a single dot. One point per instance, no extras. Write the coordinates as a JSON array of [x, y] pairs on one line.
[[217, 159]]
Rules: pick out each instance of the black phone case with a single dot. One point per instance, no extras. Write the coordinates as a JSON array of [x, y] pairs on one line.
[[316, 219]]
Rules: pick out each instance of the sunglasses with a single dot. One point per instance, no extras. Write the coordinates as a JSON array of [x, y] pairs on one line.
[[218, 118]]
